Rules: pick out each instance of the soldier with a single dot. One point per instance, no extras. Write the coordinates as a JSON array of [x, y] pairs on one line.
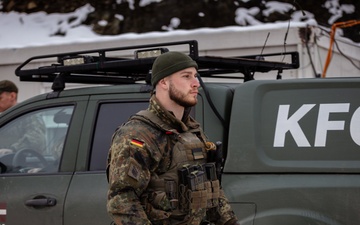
[[157, 162], [8, 95], [27, 133]]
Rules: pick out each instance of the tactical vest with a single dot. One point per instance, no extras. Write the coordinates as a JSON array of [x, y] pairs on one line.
[[189, 187]]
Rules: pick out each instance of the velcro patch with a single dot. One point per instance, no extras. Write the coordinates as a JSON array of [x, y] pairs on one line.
[[197, 153], [134, 171]]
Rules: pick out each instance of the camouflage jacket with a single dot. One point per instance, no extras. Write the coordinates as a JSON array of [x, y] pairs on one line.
[[138, 152]]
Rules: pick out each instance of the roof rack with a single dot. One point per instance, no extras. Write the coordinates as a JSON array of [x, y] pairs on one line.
[[104, 66]]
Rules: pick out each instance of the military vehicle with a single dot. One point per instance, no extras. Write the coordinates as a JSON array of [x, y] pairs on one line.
[[291, 150]]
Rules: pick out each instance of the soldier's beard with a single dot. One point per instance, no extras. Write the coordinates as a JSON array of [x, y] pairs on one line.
[[181, 98]]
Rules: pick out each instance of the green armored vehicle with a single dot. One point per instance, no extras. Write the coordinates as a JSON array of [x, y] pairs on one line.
[[291, 148]]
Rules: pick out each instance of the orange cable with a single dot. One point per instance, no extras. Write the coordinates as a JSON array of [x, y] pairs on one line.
[[332, 38]]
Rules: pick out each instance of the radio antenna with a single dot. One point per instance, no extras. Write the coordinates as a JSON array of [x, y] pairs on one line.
[[288, 28], [262, 50]]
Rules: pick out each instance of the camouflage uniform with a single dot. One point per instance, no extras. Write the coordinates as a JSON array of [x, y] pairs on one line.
[[140, 156], [28, 133]]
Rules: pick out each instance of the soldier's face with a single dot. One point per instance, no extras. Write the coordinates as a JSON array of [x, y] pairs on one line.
[[183, 87], [7, 99]]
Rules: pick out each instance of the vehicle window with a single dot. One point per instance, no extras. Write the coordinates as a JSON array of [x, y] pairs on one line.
[[110, 116], [34, 142]]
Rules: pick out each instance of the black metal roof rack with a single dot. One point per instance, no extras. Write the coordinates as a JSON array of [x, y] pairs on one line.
[[99, 67]]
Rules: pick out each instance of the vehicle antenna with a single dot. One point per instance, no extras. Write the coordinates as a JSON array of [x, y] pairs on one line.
[[288, 28]]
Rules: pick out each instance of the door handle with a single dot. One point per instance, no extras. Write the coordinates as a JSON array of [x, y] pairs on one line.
[[41, 202]]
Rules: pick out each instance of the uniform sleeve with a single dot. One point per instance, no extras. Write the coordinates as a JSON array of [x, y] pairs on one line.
[[33, 131], [129, 163], [225, 210]]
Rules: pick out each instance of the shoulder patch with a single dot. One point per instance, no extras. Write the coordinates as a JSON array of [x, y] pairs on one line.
[[137, 143], [134, 171]]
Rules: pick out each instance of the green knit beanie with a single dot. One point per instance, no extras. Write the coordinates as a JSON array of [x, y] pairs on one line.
[[169, 63]]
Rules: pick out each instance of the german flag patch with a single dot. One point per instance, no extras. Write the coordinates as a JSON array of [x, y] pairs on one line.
[[137, 143]]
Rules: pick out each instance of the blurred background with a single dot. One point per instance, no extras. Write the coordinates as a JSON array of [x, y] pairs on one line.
[[114, 17]]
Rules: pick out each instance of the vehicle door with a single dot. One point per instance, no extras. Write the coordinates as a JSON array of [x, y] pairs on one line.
[[36, 170], [88, 190]]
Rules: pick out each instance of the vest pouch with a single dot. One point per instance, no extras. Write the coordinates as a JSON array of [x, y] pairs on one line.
[[193, 204], [183, 198], [213, 193], [209, 202], [212, 185], [198, 199], [190, 200]]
